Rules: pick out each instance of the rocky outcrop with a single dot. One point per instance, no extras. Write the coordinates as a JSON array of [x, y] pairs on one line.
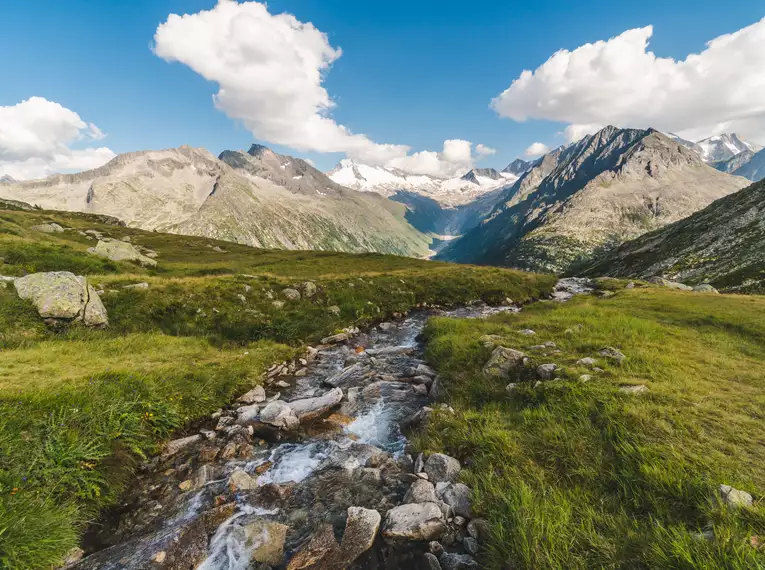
[[62, 297], [117, 250]]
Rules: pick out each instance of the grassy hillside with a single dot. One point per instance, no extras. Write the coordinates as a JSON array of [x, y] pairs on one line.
[[79, 407], [576, 475]]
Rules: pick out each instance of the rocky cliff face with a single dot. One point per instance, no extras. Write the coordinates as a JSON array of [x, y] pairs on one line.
[[720, 245], [591, 196], [754, 168], [258, 198]]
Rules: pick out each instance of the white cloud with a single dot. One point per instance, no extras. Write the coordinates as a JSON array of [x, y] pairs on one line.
[[36, 136], [621, 82], [536, 149], [483, 150], [456, 158], [574, 133], [270, 71]]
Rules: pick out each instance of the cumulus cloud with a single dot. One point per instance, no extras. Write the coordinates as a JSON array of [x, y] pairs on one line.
[[36, 138], [621, 82], [270, 70], [455, 158], [536, 149], [483, 150]]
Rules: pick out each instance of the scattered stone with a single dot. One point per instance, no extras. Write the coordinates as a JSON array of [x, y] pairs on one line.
[[208, 453], [639, 389], [527, 332], [420, 389], [265, 539], [416, 521], [277, 305], [584, 378], [511, 388], [419, 463], [442, 468], [51, 228], [630, 285], [335, 339], [457, 496], [334, 310], [670, 284], [479, 529], [706, 288], [588, 362], [452, 561], [255, 396], [239, 480], [62, 297], [360, 531], [459, 520], [320, 553], [121, 251], [613, 354], [177, 445], [734, 497], [73, 556], [247, 413], [291, 294], [435, 548], [546, 371], [311, 408], [309, 289], [421, 491], [504, 361], [185, 485], [159, 557], [471, 545], [136, 286]]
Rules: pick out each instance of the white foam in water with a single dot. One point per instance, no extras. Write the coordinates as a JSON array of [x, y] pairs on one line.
[[230, 548], [292, 463], [376, 427]]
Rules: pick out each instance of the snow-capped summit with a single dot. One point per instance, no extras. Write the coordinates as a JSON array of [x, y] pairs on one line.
[[447, 191], [518, 167], [7, 179], [724, 147]]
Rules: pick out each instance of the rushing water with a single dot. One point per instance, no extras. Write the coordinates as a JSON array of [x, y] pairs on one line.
[[326, 467]]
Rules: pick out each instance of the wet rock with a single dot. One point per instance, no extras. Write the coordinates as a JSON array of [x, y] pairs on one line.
[[177, 445], [349, 373], [239, 480], [734, 497], [546, 371], [279, 414], [451, 561], [420, 389], [291, 294], [255, 396], [479, 529], [311, 408], [386, 327], [414, 522], [442, 468], [247, 413], [425, 370], [360, 532], [208, 453], [457, 496], [504, 362], [320, 553], [265, 539], [431, 562], [228, 452], [421, 491], [613, 354]]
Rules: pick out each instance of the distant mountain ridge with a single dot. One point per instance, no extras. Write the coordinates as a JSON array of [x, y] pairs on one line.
[[601, 191], [720, 245], [259, 198]]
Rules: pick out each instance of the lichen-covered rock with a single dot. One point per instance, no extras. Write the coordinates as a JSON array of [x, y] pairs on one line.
[[421, 491], [613, 354], [264, 539], [121, 251], [309, 289], [504, 362], [360, 531], [51, 228], [706, 288], [291, 294], [414, 522], [442, 468], [734, 497], [62, 296], [320, 553]]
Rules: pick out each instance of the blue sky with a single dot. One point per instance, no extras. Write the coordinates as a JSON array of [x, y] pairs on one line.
[[412, 72]]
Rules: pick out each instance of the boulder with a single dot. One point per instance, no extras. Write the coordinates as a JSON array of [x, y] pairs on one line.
[[670, 284], [264, 539], [279, 414], [239, 480], [735, 498], [247, 413], [452, 561], [416, 522], [504, 362], [360, 531], [457, 496], [320, 553], [421, 491], [588, 362], [706, 288], [311, 408], [291, 294], [442, 468], [613, 354], [51, 228], [255, 396], [121, 251], [177, 445], [309, 289], [546, 371], [62, 296], [639, 389], [335, 339]]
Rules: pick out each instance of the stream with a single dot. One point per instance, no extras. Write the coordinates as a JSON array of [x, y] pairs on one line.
[[260, 480]]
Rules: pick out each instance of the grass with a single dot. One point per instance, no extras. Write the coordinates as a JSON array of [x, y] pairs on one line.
[[580, 475], [79, 407]]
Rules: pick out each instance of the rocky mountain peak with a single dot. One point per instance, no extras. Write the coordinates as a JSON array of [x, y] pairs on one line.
[[518, 167], [7, 179], [474, 175], [259, 150]]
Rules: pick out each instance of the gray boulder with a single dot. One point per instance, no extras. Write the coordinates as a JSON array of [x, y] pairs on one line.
[[504, 362], [442, 468], [279, 414], [421, 491], [309, 289], [457, 496], [291, 294], [255, 396], [62, 296], [360, 531], [431, 562], [670, 284], [311, 408], [734, 497], [452, 561], [546, 371], [121, 251], [706, 288], [51, 228], [414, 522], [613, 354]]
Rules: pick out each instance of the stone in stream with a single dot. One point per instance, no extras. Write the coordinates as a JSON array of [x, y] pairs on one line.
[[350, 373], [335, 339], [421, 491], [311, 408], [279, 414], [239, 480], [177, 445], [442, 468], [247, 413], [471, 545], [321, 552], [265, 540], [504, 362], [360, 531], [414, 522]]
